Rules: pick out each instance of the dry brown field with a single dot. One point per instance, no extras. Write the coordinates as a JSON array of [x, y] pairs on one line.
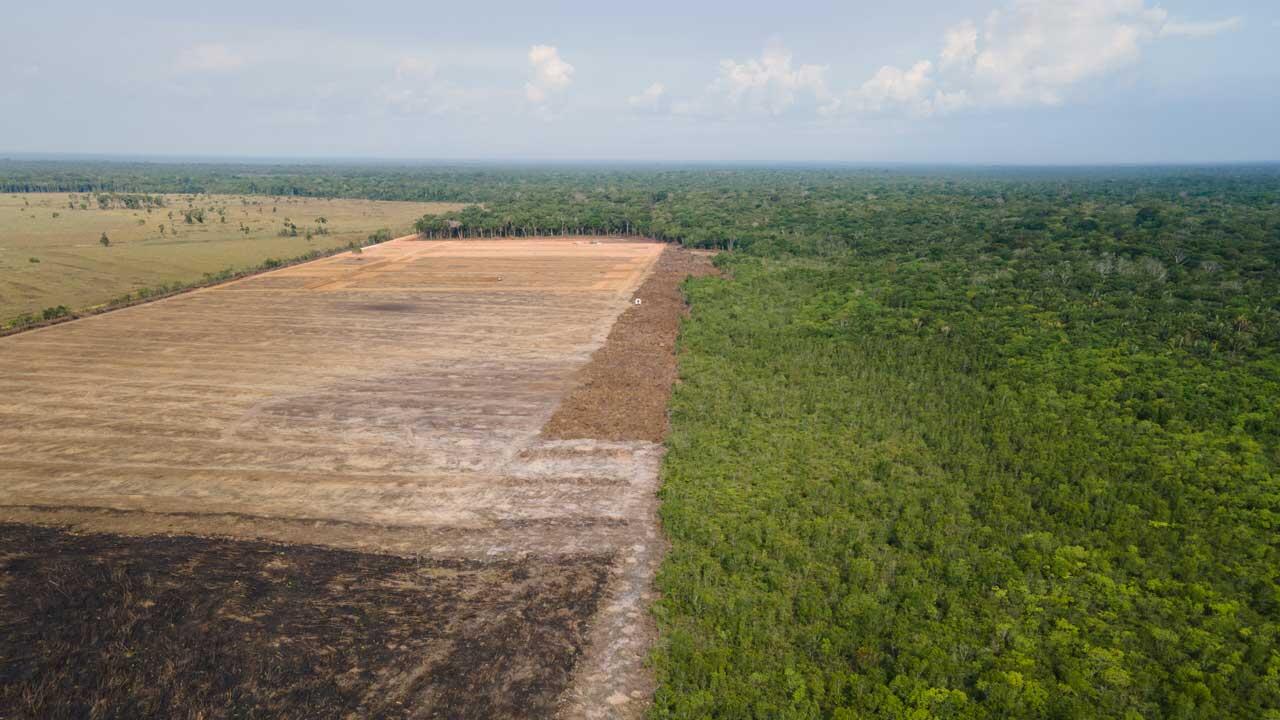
[[326, 491], [51, 254]]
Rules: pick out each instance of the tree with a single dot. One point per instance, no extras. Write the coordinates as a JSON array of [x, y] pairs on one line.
[[1147, 216], [104, 240]]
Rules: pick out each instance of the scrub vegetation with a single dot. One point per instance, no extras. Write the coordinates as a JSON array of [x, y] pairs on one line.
[[62, 253]]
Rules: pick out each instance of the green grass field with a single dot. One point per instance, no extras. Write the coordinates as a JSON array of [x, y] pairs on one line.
[[51, 251]]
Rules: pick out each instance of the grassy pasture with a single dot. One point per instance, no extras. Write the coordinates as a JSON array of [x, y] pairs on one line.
[[51, 251]]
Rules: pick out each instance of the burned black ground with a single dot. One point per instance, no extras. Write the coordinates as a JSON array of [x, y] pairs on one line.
[[107, 626]]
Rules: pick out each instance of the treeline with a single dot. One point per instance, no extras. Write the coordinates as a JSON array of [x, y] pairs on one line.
[[313, 180], [798, 209], [537, 185], [128, 201]]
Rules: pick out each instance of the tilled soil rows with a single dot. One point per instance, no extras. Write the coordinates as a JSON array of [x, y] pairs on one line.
[[326, 492]]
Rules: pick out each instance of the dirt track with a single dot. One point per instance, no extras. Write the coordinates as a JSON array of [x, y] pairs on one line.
[[387, 403]]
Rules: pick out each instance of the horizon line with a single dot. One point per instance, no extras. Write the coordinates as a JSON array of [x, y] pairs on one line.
[[348, 160]]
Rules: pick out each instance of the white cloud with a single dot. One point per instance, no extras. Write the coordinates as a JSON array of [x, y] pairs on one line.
[[1034, 51], [210, 57], [891, 85], [418, 88], [650, 99], [1031, 52], [913, 90], [961, 44], [771, 84], [1201, 29], [551, 74]]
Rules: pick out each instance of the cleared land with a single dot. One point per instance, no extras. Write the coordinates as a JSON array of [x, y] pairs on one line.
[[326, 490], [622, 394], [51, 254]]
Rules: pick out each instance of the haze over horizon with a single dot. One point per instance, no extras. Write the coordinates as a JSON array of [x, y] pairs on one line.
[[975, 81]]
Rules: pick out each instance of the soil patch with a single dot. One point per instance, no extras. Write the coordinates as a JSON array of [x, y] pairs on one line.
[[111, 626], [622, 392], [389, 307]]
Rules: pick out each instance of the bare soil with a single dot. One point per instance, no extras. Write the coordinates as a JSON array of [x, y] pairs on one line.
[[622, 393], [400, 391]]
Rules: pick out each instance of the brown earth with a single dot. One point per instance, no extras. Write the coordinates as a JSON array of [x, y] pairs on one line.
[[373, 422], [401, 389], [622, 393]]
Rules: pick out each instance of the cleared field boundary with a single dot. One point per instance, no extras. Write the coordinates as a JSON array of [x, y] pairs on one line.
[[262, 269], [82, 313]]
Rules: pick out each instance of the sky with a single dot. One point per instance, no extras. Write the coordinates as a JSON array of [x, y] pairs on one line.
[[911, 81]]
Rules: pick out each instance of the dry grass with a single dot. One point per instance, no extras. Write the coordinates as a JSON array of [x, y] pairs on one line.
[[72, 267]]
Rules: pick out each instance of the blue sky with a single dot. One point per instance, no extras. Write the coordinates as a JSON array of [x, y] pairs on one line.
[[968, 81]]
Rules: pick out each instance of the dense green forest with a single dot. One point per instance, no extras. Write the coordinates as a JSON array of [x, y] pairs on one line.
[[989, 461], [949, 443]]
